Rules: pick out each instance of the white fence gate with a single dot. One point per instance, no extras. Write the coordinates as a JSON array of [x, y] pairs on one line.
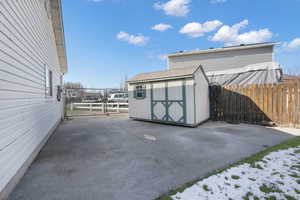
[[92, 101]]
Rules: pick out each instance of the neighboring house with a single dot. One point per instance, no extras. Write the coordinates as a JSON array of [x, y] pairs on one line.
[[32, 65], [235, 65], [177, 96]]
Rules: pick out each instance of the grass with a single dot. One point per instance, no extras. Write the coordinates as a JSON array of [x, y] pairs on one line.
[[294, 142], [269, 189], [205, 187], [297, 151], [258, 166], [235, 177], [289, 197]]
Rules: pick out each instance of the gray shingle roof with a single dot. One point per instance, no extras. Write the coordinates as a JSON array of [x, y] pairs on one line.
[[170, 74]]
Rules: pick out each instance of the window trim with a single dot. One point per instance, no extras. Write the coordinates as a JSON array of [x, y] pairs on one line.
[[48, 82], [139, 89]]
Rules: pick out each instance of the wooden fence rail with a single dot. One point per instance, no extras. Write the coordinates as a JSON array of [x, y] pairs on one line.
[[270, 103]]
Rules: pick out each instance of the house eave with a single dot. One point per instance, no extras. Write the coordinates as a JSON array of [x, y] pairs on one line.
[[58, 28]]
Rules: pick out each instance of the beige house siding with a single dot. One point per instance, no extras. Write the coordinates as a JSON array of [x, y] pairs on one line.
[[27, 116], [214, 61]]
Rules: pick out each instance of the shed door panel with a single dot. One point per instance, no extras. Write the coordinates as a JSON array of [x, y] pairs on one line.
[[159, 104], [159, 91], [168, 102], [175, 90]]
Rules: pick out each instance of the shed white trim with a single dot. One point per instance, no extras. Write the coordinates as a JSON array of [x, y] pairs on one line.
[[171, 74]]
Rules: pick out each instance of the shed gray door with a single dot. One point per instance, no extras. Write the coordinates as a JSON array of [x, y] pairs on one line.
[[168, 102]]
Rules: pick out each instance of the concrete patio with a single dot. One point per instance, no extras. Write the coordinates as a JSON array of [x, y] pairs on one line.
[[118, 158]]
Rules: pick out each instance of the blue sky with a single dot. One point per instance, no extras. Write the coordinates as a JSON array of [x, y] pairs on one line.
[[109, 39]]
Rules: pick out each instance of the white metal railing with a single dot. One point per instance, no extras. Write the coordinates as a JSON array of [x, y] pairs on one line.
[[114, 107]]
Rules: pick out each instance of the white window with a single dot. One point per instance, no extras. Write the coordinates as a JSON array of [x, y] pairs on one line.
[[49, 83]]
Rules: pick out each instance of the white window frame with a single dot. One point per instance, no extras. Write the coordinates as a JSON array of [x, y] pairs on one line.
[[48, 82]]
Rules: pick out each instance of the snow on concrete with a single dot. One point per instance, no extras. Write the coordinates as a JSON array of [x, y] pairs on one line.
[[291, 131], [277, 174]]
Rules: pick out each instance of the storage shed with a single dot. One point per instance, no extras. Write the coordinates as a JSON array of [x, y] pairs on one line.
[[176, 96]]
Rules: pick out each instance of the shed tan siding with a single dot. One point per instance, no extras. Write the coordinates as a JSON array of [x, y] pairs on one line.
[[27, 45], [201, 97], [223, 60]]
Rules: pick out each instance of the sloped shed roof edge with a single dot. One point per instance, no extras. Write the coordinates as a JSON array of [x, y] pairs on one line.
[[171, 74]]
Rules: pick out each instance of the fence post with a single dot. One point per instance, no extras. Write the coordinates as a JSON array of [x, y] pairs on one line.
[[118, 107], [71, 106], [91, 108]]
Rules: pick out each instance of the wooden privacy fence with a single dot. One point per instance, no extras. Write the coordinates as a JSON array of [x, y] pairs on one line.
[[277, 104]]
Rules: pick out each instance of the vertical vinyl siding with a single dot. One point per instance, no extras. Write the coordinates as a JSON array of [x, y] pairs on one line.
[[224, 60], [27, 45], [142, 107]]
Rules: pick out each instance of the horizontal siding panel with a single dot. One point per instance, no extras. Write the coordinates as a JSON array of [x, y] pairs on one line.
[[16, 94], [13, 157], [13, 104], [21, 124], [18, 19], [15, 29], [19, 56], [8, 60], [14, 76], [13, 85], [224, 60], [27, 45], [8, 114]]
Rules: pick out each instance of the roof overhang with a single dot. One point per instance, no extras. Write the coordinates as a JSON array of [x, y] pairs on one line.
[[160, 79], [231, 48], [58, 28], [165, 75]]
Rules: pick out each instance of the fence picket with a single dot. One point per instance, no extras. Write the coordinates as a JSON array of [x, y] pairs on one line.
[[278, 103]]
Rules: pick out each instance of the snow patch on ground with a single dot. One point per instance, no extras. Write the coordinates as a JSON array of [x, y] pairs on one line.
[[276, 175], [149, 137]]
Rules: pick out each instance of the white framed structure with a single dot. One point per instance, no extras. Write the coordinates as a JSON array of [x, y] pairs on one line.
[[32, 64], [176, 96]]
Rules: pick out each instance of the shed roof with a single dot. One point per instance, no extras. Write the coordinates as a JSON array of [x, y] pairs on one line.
[[170, 74], [228, 48]]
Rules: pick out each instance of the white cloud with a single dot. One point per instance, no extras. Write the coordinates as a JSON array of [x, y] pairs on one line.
[[179, 8], [218, 1], [195, 29], [138, 40], [161, 27], [230, 35], [294, 44]]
